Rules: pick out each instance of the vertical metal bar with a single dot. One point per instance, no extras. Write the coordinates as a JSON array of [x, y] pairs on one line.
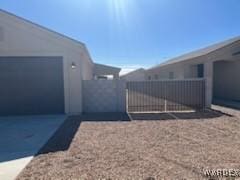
[[203, 92], [140, 95], [136, 95], [146, 96], [187, 94], [199, 99], [127, 100], [178, 86], [194, 94], [154, 96], [189, 89], [148, 92], [150, 95], [157, 96], [165, 96], [141, 89], [131, 96], [136, 86], [192, 99], [198, 95]]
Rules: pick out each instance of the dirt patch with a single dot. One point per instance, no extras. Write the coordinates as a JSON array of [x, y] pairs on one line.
[[140, 149]]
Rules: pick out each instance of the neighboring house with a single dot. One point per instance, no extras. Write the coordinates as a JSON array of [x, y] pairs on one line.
[[136, 75], [103, 71], [41, 71], [219, 64]]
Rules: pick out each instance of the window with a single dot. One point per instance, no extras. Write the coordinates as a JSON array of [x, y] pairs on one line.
[[156, 76], [171, 75], [149, 78], [200, 70]]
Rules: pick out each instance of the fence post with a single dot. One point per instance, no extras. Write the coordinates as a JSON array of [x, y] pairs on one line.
[[126, 98], [165, 96]]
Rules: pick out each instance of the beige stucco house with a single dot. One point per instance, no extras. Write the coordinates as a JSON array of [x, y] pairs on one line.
[[41, 71], [219, 64], [136, 75]]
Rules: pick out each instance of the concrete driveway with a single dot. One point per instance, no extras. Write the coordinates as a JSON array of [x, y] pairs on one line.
[[21, 138]]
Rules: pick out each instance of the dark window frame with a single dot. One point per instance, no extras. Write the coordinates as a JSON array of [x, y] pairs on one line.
[[200, 70]]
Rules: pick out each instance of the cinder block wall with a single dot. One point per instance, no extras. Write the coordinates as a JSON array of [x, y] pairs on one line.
[[104, 96]]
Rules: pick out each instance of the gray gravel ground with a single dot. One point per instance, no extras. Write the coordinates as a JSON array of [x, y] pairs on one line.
[[158, 146]]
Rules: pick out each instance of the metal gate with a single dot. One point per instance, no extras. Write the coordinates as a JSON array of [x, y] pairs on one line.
[[164, 96]]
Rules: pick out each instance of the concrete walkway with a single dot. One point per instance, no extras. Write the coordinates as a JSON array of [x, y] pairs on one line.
[[20, 140], [227, 103], [227, 110]]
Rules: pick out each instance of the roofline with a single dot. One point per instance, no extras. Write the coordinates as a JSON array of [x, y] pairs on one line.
[[139, 69], [108, 66], [43, 27], [165, 63]]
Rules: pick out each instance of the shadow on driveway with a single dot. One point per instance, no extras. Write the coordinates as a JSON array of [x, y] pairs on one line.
[[63, 137], [23, 136]]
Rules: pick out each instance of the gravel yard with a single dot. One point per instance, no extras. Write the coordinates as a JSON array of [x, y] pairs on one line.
[[160, 146]]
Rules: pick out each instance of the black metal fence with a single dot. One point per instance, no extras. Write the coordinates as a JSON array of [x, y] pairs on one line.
[[164, 96]]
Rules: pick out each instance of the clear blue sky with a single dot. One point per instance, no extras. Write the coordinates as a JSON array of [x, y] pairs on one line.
[[135, 33]]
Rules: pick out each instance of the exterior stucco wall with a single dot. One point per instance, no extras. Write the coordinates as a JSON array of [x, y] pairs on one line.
[[226, 80], [163, 72], [137, 75], [87, 66], [190, 71], [21, 38]]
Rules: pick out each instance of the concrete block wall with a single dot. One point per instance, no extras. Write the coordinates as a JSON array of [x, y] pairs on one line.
[[104, 96]]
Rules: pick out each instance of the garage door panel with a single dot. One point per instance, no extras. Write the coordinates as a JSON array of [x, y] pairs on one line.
[[31, 85]]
